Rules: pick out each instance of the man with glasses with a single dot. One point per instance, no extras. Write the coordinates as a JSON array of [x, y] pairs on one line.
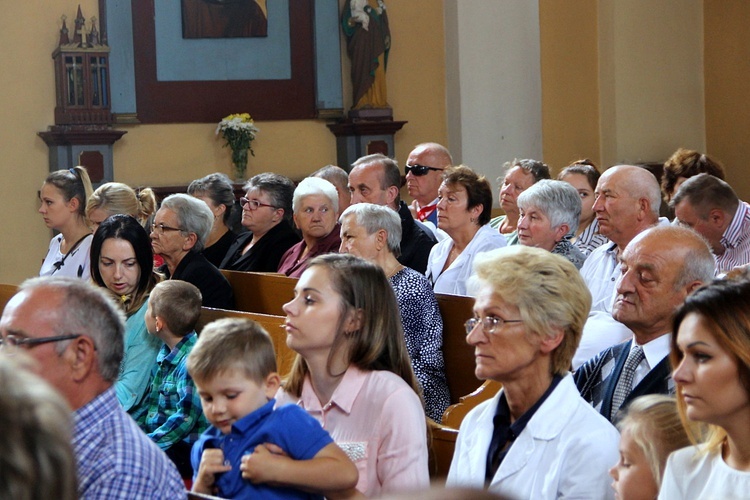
[[376, 179], [424, 172], [75, 333]]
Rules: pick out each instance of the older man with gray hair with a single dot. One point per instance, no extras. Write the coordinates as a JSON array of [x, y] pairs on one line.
[[627, 203], [660, 267], [75, 333]]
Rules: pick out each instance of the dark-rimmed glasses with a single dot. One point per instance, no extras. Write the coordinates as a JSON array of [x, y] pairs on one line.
[[13, 340], [161, 228], [420, 170], [254, 204], [489, 324]]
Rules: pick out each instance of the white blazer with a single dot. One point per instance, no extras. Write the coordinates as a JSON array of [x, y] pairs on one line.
[[565, 450], [453, 280]]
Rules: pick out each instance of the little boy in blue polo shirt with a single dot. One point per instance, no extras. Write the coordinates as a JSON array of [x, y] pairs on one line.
[[170, 412], [251, 445]]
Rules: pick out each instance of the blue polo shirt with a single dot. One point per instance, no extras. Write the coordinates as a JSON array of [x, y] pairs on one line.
[[289, 427]]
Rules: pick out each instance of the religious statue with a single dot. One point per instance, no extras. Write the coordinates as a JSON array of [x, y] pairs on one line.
[[368, 37]]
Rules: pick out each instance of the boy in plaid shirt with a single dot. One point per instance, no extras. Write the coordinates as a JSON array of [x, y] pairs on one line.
[[170, 412]]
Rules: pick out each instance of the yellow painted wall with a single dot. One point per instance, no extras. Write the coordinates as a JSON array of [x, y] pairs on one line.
[[727, 77], [171, 154], [570, 81]]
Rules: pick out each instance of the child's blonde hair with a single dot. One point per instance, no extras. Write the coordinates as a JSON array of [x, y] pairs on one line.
[[232, 343], [655, 426]]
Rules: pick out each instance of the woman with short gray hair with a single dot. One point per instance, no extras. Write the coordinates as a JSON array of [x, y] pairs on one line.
[[179, 233], [549, 214], [315, 205], [373, 232]]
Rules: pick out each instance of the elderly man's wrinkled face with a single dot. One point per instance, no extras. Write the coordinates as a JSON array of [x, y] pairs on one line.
[[365, 185], [424, 188], [36, 314], [647, 292], [315, 216], [616, 210], [509, 352]]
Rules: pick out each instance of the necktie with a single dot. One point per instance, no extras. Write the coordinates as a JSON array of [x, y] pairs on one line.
[[625, 383]]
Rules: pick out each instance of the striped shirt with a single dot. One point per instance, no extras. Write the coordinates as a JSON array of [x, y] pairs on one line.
[[590, 239], [736, 241]]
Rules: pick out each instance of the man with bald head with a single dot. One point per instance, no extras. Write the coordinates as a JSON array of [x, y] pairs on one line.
[[75, 333], [424, 173], [627, 201], [376, 179], [660, 268]]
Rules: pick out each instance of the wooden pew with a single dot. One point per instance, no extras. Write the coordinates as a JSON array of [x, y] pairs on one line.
[[6, 292], [263, 293], [458, 355], [272, 324]]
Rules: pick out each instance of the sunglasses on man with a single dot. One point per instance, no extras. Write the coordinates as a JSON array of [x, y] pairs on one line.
[[420, 170]]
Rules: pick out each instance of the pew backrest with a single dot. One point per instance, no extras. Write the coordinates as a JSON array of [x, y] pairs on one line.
[[458, 355], [6, 292], [272, 324], [262, 293]]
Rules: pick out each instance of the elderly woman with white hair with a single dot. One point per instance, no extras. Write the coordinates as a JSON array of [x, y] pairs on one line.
[[537, 438], [179, 232], [549, 214], [315, 207], [373, 233]]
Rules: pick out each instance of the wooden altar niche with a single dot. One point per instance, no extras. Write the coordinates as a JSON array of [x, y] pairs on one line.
[[82, 134]]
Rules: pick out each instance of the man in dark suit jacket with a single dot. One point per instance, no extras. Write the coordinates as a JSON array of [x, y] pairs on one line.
[[660, 267], [376, 179]]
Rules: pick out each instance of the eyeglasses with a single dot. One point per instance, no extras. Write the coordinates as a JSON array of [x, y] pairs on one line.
[[12, 340], [254, 204], [420, 170], [489, 324], [161, 228]]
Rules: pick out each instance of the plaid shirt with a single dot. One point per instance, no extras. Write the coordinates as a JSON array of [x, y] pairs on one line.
[[171, 411], [115, 459]]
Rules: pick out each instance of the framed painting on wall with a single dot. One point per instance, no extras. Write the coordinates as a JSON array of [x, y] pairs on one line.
[[158, 76]]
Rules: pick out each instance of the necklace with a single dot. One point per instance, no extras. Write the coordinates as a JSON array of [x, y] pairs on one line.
[[390, 274]]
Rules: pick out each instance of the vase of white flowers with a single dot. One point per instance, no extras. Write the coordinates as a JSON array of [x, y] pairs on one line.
[[239, 132]]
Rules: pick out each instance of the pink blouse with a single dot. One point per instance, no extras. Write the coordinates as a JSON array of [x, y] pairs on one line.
[[378, 420]]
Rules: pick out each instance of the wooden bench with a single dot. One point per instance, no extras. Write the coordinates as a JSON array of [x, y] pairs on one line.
[[6, 292], [263, 293], [458, 355], [272, 324]]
